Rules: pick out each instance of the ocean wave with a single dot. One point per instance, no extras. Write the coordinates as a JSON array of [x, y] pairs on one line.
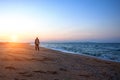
[[100, 50]]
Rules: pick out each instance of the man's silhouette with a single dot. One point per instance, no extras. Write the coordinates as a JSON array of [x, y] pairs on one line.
[[37, 42]]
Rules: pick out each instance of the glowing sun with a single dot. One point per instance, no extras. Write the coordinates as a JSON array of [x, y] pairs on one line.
[[14, 38]]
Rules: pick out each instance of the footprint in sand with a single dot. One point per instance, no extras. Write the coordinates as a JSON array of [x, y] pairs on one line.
[[85, 75], [47, 59], [56, 79], [47, 72], [26, 74], [10, 68], [19, 79], [23, 79], [1, 76], [62, 69], [52, 72], [16, 79], [39, 59], [39, 71], [23, 72]]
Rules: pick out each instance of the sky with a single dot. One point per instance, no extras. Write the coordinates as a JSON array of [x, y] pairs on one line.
[[60, 20]]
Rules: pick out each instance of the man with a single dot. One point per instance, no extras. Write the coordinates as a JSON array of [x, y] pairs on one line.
[[37, 44]]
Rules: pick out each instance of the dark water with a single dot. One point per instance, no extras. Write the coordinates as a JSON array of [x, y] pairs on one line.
[[108, 51]]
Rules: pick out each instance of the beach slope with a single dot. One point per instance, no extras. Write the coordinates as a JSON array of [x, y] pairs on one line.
[[21, 62]]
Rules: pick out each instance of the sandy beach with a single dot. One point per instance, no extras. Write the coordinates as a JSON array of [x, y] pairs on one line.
[[21, 62]]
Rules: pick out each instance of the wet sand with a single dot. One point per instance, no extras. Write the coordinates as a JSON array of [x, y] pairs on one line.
[[22, 62]]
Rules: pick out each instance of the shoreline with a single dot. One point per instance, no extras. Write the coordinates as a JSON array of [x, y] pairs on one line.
[[69, 52], [22, 62], [84, 55]]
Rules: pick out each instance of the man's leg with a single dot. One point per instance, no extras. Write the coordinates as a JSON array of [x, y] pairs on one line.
[[35, 47], [38, 47]]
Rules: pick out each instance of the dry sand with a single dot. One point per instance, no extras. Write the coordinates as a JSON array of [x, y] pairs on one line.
[[22, 62]]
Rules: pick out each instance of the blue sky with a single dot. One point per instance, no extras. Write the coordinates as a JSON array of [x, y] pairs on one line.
[[61, 20]]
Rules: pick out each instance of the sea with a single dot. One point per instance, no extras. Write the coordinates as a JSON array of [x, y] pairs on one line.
[[106, 51]]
